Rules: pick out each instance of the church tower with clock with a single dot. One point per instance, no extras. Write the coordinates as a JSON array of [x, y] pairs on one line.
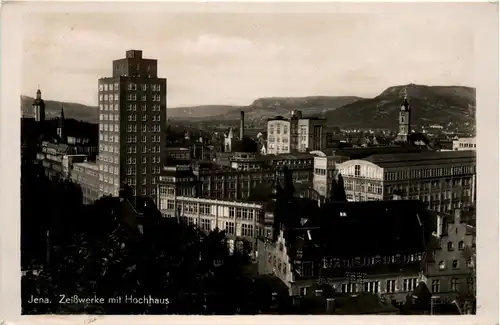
[[404, 119]]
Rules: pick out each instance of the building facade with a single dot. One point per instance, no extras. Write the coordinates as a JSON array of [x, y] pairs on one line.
[[297, 134], [236, 184], [238, 219], [274, 258], [58, 159], [323, 174], [311, 134], [86, 175], [442, 180], [464, 144], [278, 136], [452, 276], [132, 124]]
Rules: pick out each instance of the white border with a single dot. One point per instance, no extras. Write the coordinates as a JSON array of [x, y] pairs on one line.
[[486, 46]]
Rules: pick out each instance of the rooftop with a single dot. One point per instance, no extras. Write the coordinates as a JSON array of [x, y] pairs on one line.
[[399, 159], [357, 229]]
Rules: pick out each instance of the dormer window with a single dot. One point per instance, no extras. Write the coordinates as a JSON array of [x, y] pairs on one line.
[[450, 246], [442, 265], [343, 214]]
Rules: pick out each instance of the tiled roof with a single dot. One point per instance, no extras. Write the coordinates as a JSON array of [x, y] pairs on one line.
[[356, 229]]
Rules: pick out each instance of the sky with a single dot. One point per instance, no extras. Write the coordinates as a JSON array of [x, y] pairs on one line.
[[225, 57]]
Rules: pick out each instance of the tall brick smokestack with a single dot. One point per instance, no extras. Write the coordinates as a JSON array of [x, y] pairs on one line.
[[242, 124]]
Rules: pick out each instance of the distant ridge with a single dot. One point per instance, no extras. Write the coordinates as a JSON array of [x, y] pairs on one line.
[[431, 105], [75, 111], [264, 108]]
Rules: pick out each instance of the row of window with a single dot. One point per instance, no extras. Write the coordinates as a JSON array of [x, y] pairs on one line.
[[455, 264], [272, 139], [109, 107], [408, 285], [144, 160], [110, 97], [454, 285], [144, 107], [108, 148], [144, 139], [278, 148], [241, 213], [109, 179], [110, 138], [109, 127], [132, 128], [154, 97], [144, 170], [277, 128], [111, 86], [143, 87], [109, 169], [144, 181], [108, 158], [466, 145], [329, 262], [429, 172]]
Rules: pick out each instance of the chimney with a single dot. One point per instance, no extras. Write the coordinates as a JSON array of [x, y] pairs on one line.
[[242, 124]]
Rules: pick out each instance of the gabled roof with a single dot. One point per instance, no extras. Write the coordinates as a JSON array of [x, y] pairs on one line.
[[373, 227]]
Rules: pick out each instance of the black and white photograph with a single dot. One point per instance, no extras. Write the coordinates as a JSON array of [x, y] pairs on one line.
[[251, 162]]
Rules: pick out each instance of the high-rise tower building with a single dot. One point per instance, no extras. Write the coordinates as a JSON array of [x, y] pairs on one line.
[[132, 125], [39, 107]]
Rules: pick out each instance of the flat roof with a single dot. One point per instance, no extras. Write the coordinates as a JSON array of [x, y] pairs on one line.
[[405, 159], [88, 165]]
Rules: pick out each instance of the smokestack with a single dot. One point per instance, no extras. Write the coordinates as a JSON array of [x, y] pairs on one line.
[[242, 124]]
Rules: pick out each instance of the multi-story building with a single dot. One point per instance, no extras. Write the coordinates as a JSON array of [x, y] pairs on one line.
[[278, 136], [442, 180], [238, 219], [297, 134], [464, 144], [132, 123], [58, 159], [176, 181], [86, 176], [311, 134], [233, 183], [376, 247], [323, 174], [452, 274]]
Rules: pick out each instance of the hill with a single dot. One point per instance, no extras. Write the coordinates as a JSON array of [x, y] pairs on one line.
[[263, 108], [430, 105], [75, 111]]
